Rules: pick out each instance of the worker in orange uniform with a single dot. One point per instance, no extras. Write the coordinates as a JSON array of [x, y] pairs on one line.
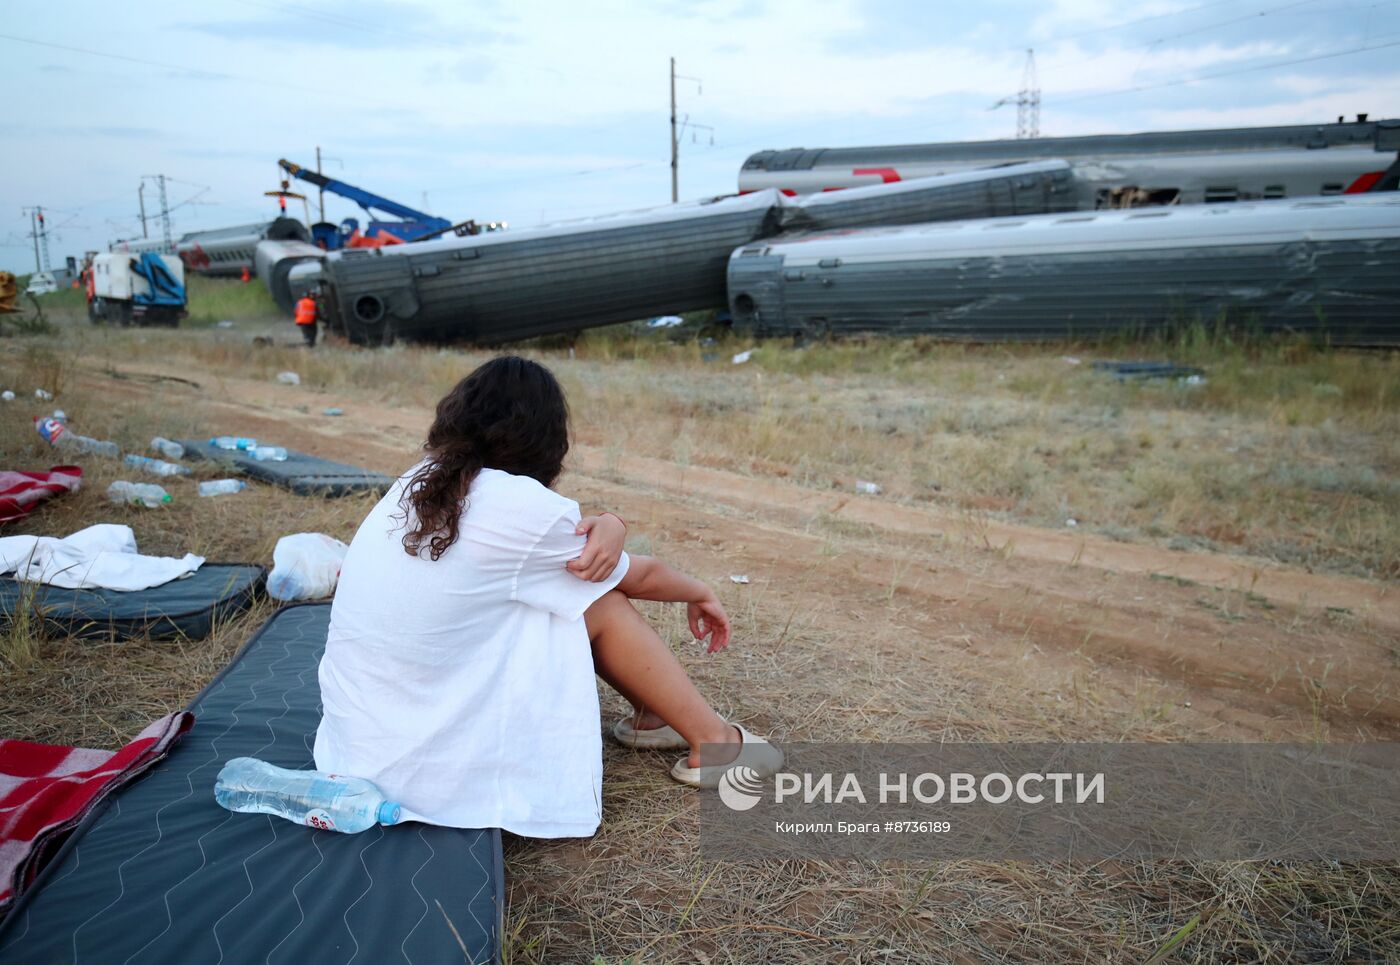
[[306, 319]]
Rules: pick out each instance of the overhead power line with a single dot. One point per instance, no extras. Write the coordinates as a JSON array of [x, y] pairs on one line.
[[1131, 23], [1224, 73]]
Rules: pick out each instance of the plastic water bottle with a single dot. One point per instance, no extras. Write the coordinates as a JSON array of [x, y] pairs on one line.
[[138, 494], [233, 442], [57, 434], [313, 798], [218, 487], [155, 466], [268, 453], [51, 430], [168, 448]]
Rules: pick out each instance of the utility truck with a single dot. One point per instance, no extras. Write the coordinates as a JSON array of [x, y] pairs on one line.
[[125, 288]]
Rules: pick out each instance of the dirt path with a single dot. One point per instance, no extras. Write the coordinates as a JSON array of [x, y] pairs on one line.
[[1213, 645]]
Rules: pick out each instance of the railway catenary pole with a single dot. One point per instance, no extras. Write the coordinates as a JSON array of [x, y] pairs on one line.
[[141, 200], [321, 192], [169, 245], [34, 232], [675, 143]]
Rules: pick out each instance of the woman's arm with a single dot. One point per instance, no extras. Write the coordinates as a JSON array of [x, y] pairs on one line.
[[650, 579], [606, 534]]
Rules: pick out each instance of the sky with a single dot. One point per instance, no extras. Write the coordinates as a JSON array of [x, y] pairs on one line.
[[533, 111]]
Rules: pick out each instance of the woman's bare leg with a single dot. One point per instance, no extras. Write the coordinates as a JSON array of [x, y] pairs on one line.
[[629, 655]]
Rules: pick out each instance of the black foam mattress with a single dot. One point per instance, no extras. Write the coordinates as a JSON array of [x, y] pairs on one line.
[[187, 607], [165, 875], [301, 473]]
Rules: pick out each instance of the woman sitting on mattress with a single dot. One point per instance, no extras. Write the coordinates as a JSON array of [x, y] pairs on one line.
[[470, 620]]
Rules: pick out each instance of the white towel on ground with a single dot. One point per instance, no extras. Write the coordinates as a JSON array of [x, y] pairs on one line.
[[100, 556]]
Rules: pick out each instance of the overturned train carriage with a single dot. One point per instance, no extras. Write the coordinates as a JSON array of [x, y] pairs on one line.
[[1033, 188], [273, 262], [564, 277], [1329, 267], [542, 281]]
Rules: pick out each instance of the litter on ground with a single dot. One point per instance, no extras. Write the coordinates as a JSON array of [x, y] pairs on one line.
[[289, 378]]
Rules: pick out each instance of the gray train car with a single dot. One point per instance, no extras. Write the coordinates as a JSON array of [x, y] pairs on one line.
[[543, 281], [1329, 267], [564, 277], [223, 251], [1035, 188], [227, 251], [1156, 167], [273, 262]]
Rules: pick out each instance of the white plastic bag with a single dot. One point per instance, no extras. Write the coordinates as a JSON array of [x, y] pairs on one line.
[[305, 566]]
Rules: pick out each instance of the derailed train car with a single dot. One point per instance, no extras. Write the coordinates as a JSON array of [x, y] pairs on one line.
[[543, 281], [273, 262], [223, 251], [559, 278], [228, 251], [1154, 167], [1329, 267], [1033, 188]]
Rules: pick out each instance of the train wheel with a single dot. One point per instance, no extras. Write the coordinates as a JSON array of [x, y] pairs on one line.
[[95, 312]]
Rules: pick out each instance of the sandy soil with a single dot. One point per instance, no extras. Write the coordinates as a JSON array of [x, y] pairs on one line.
[[1221, 647]]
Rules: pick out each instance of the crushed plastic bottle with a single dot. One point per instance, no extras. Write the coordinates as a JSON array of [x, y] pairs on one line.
[[7, 396], [137, 494], [289, 378], [220, 487], [315, 799], [268, 453], [51, 430], [156, 467], [869, 488], [233, 442], [168, 448], [43, 395], [57, 434]]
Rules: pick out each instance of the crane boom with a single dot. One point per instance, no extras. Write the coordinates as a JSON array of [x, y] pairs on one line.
[[411, 225]]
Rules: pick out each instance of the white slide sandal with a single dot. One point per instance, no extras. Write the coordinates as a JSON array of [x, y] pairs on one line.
[[755, 753], [663, 738]]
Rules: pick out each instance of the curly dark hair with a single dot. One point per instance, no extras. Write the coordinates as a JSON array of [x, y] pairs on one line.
[[510, 414]]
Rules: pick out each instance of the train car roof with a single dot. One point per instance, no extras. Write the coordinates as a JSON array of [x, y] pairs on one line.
[[1361, 216], [1379, 134]]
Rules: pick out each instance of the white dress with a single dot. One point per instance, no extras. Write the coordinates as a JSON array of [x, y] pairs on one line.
[[464, 687]]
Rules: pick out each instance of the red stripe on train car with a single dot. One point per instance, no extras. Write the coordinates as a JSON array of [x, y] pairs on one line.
[[1364, 183], [887, 175]]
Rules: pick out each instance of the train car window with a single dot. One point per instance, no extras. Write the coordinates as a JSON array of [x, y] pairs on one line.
[[1332, 188], [1275, 191], [1218, 195]]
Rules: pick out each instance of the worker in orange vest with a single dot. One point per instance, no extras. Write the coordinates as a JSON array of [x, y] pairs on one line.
[[306, 319]]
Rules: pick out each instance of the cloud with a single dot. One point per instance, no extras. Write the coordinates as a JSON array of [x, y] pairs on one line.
[[354, 25]]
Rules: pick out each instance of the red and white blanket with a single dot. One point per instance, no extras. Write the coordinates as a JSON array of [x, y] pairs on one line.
[[20, 492], [45, 790]]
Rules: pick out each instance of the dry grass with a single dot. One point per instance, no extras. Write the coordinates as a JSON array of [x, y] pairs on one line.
[[1287, 452]]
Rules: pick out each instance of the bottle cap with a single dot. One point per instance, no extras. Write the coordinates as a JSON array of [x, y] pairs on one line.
[[389, 813], [166, 498]]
